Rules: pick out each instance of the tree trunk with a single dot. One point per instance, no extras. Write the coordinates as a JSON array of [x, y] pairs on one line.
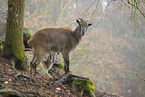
[[14, 46]]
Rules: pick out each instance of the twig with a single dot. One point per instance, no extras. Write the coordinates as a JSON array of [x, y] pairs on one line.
[[95, 7], [105, 10], [25, 76], [136, 7], [139, 76], [9, 91], [89, 6], [32, 92]]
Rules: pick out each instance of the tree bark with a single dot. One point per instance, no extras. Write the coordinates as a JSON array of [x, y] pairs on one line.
[[14, 46]]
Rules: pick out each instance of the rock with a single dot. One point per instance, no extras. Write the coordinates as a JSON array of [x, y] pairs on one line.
[[26, 36]]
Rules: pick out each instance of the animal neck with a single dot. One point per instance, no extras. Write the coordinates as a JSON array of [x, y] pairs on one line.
[[78, 32], [76, 36]]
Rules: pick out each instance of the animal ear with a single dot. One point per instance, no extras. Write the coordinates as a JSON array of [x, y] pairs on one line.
[[78, 21], [89, 24]]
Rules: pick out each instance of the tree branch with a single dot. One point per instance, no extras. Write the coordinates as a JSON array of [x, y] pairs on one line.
[[95, 7], [105, 10], [139, 76], [136, 7]]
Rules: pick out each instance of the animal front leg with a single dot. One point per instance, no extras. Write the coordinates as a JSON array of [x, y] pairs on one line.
[[66, 67], [33, 65], [66, 62]]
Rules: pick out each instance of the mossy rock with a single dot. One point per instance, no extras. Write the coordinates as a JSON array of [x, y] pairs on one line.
[[84, 85], [59, 65], [57, 69], [26, 36]]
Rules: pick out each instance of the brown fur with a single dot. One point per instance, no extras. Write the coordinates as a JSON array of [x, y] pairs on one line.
[[52, 40]]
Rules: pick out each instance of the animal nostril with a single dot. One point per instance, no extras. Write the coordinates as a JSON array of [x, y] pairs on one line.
[[83, 33]]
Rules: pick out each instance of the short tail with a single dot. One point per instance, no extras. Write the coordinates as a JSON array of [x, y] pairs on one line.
[[29, 43]]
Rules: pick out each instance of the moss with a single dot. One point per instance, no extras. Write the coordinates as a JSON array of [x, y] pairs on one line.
[[1, 47], [20, 58], [14, 46], [62, 66], [26, 36], [86, 86]]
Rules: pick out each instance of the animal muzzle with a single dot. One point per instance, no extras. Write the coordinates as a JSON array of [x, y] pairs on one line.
[[83, 33]]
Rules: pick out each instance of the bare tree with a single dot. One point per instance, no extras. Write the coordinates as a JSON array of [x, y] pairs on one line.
[[134, 5]]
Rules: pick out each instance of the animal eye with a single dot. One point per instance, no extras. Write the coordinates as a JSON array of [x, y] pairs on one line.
[[89, 24]]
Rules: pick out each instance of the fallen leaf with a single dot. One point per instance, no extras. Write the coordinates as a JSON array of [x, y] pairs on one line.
[[6, 82], [42, 76], [58, 89], [25, 82]]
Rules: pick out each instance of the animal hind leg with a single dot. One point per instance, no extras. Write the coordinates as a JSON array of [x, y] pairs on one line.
[[38, 56], [66, 62]]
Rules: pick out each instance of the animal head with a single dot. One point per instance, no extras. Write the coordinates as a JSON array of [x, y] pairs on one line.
[[83, 25]]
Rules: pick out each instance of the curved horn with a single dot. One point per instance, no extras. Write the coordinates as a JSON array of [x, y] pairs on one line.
[[80, 19]]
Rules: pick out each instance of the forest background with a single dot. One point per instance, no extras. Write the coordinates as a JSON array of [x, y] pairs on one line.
[[112, 49]]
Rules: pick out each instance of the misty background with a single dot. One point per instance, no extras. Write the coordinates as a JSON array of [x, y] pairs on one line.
[[111, 51]]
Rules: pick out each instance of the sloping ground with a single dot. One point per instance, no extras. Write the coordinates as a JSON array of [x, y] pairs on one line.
[[23, 84]]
